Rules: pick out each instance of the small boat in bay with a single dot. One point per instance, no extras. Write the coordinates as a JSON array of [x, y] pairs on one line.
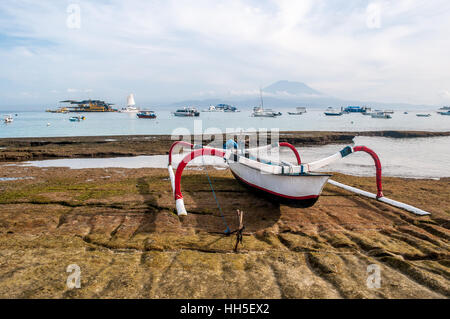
[[380, 115], [298, 111], [330, 111], [187, 112], [259, 111], [77, 118], [8, 119], [212, 108], [423, 114], [221, 108], [146, 115]]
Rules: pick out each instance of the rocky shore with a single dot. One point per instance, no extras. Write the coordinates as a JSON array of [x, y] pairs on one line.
[[119, 226], [22, 149]]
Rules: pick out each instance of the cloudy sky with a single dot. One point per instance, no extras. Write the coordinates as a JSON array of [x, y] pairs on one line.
[[386, 51]]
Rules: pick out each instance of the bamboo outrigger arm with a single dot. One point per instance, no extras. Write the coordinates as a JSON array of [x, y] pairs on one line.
[[379, 196]]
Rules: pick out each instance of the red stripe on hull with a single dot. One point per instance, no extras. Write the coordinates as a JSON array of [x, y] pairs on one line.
[[271, 192]]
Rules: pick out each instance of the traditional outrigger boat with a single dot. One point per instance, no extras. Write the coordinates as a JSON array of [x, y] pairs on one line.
[[294, 184]]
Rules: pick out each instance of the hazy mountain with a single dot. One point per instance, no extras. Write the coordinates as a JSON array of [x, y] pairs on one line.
[[281, 94], [289, 94], [289, 88]]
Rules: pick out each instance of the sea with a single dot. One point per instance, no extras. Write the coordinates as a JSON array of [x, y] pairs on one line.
[[404, 157], [44, 124]]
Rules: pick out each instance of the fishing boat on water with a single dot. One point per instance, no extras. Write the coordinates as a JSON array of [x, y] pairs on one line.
[[8, 118], [146, 115], [187, 112], [330, 111], [295, 184], [131, 105], [298, 111]]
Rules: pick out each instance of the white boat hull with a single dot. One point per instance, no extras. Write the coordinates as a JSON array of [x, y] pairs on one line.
[[299, 190]]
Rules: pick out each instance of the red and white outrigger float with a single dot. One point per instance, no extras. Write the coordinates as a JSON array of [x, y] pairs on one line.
[[294, 184]]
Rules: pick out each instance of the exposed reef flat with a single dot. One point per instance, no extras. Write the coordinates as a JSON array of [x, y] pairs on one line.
[[24, 149], [120, 227]]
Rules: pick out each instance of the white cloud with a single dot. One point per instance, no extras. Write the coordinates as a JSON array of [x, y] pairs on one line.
[[171, 49]]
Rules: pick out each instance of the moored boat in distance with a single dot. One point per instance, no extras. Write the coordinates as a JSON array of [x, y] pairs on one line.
[[77, 118], [367, 111], [258, 111], [445, 110], [131, 105], [380, 115], [187, 112], [354, 109], [423, 114], [330, 111], [227, 108], [221, 108], [212, 108], [298, 111], [8, 119], [146, 115]]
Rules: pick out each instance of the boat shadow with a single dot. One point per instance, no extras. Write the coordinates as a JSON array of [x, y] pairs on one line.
[[203, 212]]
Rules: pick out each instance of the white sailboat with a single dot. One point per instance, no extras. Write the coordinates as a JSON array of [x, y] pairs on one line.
[[259, 111], [131, 105]]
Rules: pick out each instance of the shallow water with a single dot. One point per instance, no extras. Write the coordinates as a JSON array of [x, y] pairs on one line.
[[8, 179], [34, 124], [412, 158]]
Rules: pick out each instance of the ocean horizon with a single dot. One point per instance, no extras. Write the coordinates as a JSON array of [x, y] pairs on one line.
[[44, 124]]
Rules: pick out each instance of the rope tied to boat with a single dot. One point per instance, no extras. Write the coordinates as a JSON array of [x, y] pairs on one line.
[[227, 230]]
